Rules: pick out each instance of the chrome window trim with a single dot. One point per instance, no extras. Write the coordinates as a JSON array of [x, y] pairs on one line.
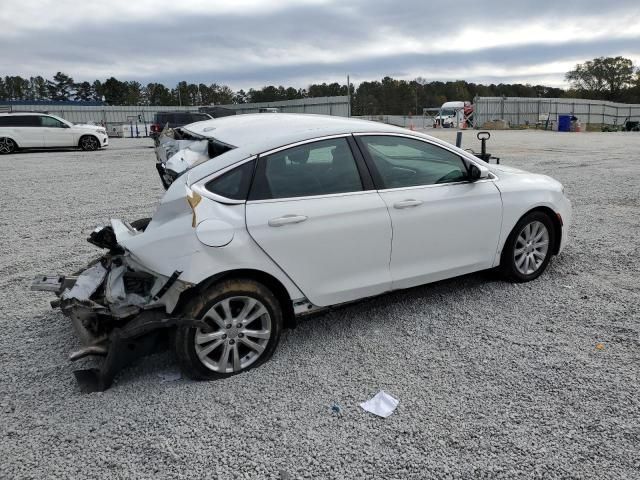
[[466, 155]]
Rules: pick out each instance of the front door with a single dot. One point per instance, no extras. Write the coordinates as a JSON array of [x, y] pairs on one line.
[[443, 224], [56, 133], [309, 210]]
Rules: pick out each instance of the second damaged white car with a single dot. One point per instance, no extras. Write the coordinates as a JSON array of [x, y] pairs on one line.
[[271, 216]]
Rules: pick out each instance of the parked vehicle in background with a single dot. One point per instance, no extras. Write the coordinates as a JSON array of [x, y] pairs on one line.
[[453, 115], [217, 112], [268, 110], [284, 214], [175, 119], [20, 130]]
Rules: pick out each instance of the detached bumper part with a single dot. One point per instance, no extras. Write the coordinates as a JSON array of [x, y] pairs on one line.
[[116, 308], [137, 339]]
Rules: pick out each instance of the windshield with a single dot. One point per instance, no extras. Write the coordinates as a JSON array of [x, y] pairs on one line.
[[66, 122], [447, 112]]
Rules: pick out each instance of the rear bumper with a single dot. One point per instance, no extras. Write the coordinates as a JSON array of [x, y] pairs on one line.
[[116, 307]]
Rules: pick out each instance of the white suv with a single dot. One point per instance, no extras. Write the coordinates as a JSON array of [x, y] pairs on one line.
[[38, 130]]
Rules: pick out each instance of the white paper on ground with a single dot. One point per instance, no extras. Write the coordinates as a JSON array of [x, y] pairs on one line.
[[382, 404]]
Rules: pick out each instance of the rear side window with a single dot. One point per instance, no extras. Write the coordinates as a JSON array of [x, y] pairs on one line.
[[318, 168], [234, 184], [20, 121]]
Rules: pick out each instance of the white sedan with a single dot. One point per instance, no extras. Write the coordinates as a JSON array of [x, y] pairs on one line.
[[285, 214]]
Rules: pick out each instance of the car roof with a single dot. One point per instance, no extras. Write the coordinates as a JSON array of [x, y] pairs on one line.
[[25, 113], [260, 132], [256, 133]]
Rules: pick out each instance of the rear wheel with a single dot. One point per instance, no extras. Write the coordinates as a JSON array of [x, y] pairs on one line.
[[528, 248], [89, 143], [7, 145], [244, 322]]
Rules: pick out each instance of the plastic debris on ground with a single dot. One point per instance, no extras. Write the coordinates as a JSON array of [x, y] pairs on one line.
[[382, 404]]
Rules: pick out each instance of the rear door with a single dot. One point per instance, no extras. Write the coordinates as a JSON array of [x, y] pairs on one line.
[[312, 208], [26, 130]]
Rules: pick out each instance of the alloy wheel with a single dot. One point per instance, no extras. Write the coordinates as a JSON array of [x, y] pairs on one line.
[[89, 143], [532, 247], [240, 328], [7, 145]]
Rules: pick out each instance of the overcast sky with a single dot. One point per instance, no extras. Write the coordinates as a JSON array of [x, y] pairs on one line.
[[251, 43]]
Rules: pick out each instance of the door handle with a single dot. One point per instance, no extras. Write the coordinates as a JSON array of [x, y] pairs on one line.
[[407, 203], [286, 220]]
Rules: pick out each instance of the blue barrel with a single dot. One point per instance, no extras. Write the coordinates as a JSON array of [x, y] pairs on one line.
[[564, 123]]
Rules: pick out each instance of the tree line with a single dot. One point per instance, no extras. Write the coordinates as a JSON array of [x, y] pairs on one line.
[[606, 78]]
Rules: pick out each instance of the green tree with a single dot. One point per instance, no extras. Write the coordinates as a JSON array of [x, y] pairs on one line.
[[61, 87], [84, 92], [602, 77]]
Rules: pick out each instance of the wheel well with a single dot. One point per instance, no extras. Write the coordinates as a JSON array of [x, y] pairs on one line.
[[557, 225], [12, 139], [88, 135], [267, 280]]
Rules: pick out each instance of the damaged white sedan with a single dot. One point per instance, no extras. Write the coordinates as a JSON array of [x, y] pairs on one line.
[[270, 216]]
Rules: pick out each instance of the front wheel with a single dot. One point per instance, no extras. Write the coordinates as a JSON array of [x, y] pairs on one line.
[[89, 143], [528, 248], [244, 322]]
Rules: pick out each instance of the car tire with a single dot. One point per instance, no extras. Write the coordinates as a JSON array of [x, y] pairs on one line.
[[7, 145], [529, 248], [89, 143], [244, 321]]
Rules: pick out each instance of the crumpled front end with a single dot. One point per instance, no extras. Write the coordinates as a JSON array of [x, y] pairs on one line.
[[117, 306]]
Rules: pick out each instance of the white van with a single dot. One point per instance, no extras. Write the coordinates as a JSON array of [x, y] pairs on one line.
[[39, 130], [452, 114]]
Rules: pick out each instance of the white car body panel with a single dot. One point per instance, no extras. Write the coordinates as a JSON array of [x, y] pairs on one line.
[[350, 246], [339, 253], [452, 231], [170, 243]]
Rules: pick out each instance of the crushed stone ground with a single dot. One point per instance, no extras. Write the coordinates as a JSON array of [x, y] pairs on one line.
[[494, 380]]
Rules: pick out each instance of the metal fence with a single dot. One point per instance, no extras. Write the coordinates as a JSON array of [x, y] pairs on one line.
[[531, 111], [338, 106], [135, 120]]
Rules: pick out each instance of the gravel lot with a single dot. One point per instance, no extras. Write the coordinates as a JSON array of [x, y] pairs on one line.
[[494, 380]]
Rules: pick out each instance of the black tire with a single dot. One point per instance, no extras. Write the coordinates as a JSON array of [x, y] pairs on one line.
[[230, 290], [7, 145], [89, 143], [508, 264], [140, 224]]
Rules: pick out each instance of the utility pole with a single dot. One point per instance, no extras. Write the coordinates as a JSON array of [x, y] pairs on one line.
[[349, 95]]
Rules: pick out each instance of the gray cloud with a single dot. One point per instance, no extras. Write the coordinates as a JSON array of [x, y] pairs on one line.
[[316, 42]]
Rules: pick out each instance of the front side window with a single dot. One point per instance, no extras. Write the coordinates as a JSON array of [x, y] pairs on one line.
[[51, 122], [319, 168], [407, 162]]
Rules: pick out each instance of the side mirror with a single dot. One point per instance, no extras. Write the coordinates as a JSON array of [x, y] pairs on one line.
[[478, 172]]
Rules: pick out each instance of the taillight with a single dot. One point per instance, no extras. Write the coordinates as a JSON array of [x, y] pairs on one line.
[[155, 128]]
